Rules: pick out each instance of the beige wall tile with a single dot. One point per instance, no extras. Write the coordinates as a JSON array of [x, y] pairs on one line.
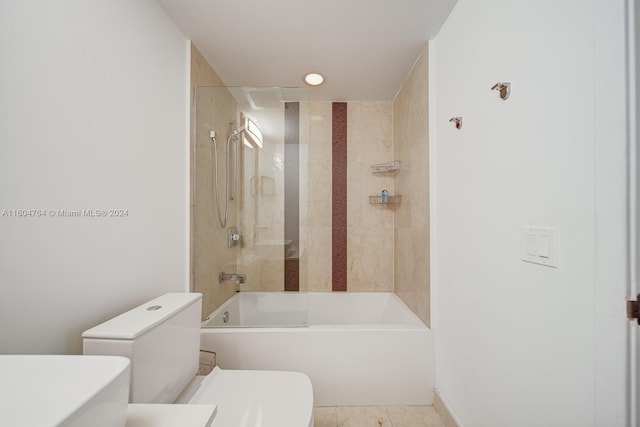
[[370, 227], [316, 262], [315, 234], [214, 108], [303, 193], [412, 269], [370, 250], [411, 146], [370, 236], [202, 73]]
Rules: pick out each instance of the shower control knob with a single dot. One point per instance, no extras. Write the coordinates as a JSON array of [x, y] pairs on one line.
[[233, 237]]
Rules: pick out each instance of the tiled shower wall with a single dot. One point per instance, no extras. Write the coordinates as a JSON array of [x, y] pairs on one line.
[[316, 225], [209, 252], [369, 228], [411, 146], [387, 248]]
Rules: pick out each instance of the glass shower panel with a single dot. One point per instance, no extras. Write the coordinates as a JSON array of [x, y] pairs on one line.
[[261, 129]]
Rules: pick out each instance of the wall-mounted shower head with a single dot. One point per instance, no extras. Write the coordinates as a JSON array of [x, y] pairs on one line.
[[238, 131], [252, 131]]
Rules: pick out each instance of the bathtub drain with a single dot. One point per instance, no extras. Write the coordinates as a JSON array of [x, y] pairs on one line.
[[225, 317]]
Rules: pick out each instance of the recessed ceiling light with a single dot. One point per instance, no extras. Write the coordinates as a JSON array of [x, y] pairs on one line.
[[313, 79]]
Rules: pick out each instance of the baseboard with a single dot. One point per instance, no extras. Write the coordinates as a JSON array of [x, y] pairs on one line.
[[443, 410]]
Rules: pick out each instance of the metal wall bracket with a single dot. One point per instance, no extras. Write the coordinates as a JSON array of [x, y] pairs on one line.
[[457, 121], [633, 309], [504, 88]]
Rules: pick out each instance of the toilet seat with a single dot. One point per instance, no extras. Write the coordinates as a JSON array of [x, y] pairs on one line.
[[257, 398]]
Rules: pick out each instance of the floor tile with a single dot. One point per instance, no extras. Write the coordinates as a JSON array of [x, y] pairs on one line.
[[414, 416], [363, 416], [325, 417]]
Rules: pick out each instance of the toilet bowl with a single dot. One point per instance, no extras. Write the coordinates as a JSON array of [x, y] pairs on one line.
[[259, 396], [162, 339]]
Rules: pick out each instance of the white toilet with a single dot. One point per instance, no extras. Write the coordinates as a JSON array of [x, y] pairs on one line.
[[162, 340]]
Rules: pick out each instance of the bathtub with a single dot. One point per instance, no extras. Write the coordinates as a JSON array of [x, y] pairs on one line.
[[357, 348]]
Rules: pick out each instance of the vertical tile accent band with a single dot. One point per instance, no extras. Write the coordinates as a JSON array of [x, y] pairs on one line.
[[291, 195], [339, 196]]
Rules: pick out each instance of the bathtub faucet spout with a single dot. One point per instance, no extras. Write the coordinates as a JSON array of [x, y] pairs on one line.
[[222, 277]]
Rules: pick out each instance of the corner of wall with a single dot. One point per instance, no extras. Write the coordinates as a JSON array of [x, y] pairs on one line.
[[433, 195], [411, 218], [448, 418], [190, 163]]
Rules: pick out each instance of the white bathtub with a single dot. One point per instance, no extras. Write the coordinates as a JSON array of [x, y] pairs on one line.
[[357, 348]]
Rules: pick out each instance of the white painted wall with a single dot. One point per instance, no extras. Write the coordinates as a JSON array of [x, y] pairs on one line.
[[520, 344], [93, 101]]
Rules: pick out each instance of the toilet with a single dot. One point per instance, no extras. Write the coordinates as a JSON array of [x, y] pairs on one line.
[[162, 340]]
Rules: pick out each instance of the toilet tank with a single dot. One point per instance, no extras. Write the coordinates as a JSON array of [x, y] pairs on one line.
[[162, 340]]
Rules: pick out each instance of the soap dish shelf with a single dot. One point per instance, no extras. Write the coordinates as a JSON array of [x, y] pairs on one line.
[[388, 167], [391, 200]]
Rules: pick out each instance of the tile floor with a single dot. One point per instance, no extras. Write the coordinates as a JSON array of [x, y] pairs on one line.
[[377, 416]]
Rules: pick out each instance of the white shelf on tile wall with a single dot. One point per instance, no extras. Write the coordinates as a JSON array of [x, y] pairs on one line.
[[391, 200], [392, 166]]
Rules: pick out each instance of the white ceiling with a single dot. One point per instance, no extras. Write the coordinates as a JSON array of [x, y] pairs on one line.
[[365, 48]]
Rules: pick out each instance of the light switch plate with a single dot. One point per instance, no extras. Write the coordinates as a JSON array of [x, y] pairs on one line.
[[540, 245]]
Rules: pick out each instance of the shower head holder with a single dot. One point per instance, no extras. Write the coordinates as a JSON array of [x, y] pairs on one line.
[[504, 88]]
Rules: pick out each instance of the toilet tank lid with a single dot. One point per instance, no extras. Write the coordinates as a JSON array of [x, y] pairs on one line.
[[137, 321]]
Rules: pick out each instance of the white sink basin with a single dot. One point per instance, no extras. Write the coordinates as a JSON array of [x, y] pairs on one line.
[[78, 391]]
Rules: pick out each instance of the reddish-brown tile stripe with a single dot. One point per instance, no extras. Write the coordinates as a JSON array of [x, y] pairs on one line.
[[291, 192], [292, 274], [339, 196]]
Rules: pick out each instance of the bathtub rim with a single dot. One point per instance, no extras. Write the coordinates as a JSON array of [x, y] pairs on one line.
[[417, 323]]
